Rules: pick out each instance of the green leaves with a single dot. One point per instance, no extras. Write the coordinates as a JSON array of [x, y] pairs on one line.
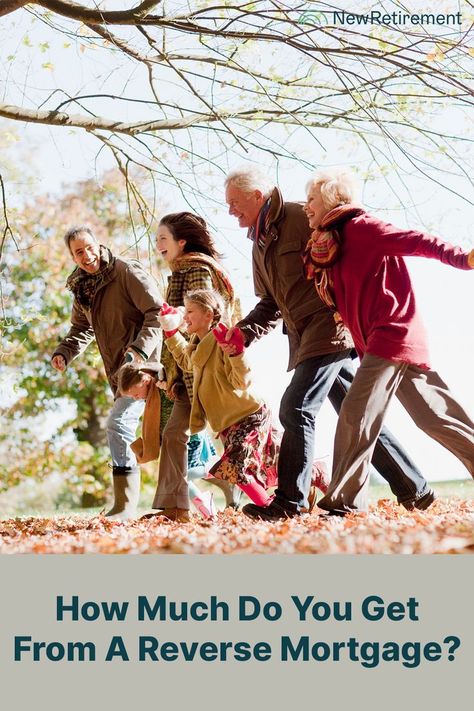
[[36, 316]]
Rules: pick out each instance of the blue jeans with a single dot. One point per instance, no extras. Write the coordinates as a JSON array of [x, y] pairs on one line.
[[314, 380], [122, 426]]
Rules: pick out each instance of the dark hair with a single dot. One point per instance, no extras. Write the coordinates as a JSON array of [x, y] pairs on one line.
[[131, 374], [194, 230], [75, 232], [128, 376]]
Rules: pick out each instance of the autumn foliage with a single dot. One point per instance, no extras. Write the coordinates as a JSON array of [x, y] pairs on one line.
[[448, 527]]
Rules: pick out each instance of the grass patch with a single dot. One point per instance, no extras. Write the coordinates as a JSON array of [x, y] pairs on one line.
[[460, 488]]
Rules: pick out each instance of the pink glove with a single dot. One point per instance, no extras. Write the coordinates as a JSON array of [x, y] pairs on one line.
[[236, 340], [170, 319]]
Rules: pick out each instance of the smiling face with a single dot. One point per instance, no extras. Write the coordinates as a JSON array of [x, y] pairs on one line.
[[167, 246], [139, 391], [198, 320], [314, 207], [85, 251], [245, 206]]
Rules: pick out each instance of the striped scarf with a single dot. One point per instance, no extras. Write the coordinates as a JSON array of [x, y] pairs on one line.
[[324, 249], [258, 232]]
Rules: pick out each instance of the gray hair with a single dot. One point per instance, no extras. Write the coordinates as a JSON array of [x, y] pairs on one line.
[[337, 187], [249, 178], [75, 232]]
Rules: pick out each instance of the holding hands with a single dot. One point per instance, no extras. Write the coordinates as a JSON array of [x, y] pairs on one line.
[[231, 340]]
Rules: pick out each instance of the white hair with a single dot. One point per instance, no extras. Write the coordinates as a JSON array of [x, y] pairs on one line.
[[337, 187], [249, 178]]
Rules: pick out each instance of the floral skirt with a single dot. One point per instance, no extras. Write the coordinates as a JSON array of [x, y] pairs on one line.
[[251, 449]]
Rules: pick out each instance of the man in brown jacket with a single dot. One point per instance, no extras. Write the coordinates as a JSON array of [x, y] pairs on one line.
[[117, 303], [320, 347]]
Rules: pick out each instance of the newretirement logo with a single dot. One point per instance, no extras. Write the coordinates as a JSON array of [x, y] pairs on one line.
[[376, 17], [314, 17]]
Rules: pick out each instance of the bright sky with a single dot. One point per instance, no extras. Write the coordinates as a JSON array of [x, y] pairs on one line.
[[445, 295]]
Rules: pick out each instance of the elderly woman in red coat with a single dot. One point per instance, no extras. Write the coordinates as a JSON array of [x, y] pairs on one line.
[[356, 262]]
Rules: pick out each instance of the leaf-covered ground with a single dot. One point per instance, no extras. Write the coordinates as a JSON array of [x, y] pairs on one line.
[[448, 527]]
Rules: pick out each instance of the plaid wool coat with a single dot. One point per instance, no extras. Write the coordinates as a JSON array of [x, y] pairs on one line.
[[179, 283]]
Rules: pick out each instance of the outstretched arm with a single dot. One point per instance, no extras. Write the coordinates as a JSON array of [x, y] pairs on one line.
[[265, 315], [261, 320], [395, 242]]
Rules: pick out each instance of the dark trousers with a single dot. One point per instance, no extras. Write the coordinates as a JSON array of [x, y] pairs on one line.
[[314, 380]]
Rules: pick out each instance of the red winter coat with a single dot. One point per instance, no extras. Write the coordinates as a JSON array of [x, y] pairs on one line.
[[373, 290]]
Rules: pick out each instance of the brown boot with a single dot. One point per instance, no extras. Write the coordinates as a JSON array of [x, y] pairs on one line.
[[175, 514], [171, 514]]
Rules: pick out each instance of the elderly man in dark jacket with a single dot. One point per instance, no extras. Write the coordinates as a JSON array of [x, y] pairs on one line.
[[117, 303], [320, 346]]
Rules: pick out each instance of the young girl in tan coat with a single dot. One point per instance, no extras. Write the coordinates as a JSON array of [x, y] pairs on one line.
[[223, 397]]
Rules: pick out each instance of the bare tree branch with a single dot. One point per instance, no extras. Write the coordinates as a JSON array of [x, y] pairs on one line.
[[75, 11], [7, 230], [240, 78], [8, 6], [94, 123], [56, 118]]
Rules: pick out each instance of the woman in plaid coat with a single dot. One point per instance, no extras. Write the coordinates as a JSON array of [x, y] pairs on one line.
[[186, 245]]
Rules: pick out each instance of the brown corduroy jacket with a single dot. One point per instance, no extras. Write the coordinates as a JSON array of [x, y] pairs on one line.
[[124, 314], [285, 293]]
